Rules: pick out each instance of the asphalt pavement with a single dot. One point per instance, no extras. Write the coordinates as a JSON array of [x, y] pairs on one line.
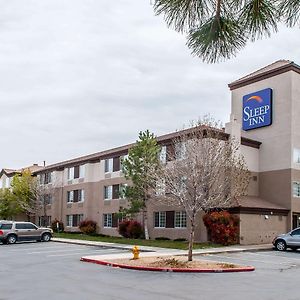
[[54, 271]]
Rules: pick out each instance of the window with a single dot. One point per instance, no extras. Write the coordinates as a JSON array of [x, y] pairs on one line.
[[76, 172], [180, 219], [108, 165], [296, 156], [47, 199], [110, 220], [116, 191], [44, 221], [75, 196], [160, 219], [70, 196], [46, 178], [160, 188], [25, 226], [180, 150], [7, 182], [74, 220], [163, 154], [296, 189], [296, 232], [70, 173], [107, 220], [6, 226], [108, 192]]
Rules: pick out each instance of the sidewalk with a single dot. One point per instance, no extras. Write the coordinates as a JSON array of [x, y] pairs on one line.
[[153, 251]]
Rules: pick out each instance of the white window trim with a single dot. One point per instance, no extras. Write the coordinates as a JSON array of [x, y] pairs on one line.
[[110, 215], [180, 213], [110, 193], [110, 165], [159, 219]]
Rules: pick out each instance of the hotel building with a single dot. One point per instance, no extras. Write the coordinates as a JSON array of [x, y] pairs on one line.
[[264, 119]]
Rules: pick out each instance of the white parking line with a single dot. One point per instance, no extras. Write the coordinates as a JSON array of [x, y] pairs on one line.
[[33, 247]]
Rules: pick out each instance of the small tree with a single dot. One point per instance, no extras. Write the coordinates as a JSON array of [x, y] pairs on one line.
[[9, 206], [25, 192], [139, 167], [206, 172]]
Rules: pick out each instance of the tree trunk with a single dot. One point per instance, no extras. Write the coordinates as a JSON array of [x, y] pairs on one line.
[[191, 241], [146, 224]]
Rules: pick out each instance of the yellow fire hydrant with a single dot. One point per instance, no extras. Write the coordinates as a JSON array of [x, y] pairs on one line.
[[136, 252]]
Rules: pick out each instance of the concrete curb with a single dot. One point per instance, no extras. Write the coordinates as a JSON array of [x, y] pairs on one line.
[[175, 270]]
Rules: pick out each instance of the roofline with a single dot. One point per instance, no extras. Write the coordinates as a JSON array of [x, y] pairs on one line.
[[123, 150], [264, 75], [259, 210]]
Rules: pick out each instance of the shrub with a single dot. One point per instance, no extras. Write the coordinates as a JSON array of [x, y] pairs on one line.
[[131, 229], [162, 238], [88, 226], [180, 240], [60, 226], [223, 227]]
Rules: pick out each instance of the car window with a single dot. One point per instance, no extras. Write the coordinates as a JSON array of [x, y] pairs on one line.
[[5, 226], [21, 226], [25, 226], [30, 226], [296, 232]]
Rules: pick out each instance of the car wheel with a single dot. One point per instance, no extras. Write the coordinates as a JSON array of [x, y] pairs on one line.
[[11, 239], [46, 237], [280, 245]]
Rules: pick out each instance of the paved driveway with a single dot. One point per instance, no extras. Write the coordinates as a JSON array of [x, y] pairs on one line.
[[53, 271]]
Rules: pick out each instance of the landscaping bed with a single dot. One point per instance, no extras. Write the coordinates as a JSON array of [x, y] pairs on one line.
[[171, 264]]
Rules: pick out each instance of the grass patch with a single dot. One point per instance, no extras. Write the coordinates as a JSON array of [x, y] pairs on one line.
[[183, 245]]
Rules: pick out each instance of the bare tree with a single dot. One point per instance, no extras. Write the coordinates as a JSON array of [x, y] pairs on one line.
[[207, 172]]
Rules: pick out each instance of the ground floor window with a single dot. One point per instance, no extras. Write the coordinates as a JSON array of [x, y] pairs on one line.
[[180, 219], [74, 220], [170, 219], [44, 221], [160, 219], [110, 220]]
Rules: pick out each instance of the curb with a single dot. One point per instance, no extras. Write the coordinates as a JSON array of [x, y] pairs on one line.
[[174, 270]]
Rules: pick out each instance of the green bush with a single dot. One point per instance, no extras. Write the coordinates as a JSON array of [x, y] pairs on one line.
[[88, 227], [60, 226], [180, 240]]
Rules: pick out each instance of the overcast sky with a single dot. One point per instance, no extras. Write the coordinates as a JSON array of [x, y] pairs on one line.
[[81, 76]]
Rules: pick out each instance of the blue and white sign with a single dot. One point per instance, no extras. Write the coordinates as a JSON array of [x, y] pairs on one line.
[[257, 109]]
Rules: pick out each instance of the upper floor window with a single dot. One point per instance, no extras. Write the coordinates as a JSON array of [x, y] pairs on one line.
[[76, 172], [113, 191], [7, 182], [112, 164], [47, 199], [75, 196], [46, 178], [180, 150], [163, 154], [296, 189], [296, 156]]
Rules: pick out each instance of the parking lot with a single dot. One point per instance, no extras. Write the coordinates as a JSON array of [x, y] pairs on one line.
[[53, 270]]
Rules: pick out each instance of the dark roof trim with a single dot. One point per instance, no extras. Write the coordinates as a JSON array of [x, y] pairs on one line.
[[260, 211], [123, 150], [264, 75], [250, 143]]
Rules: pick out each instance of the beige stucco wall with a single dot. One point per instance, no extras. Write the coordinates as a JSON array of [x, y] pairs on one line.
[[261, 229], [275, 151]]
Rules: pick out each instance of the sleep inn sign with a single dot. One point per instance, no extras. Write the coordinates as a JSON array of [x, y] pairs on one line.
[[257, 109]]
